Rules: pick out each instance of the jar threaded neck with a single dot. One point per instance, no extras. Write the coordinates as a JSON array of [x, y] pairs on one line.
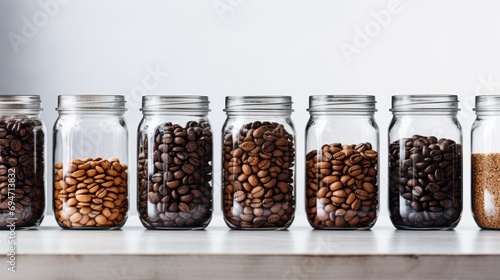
[[425, 103], [103, 103], [342, 104], [272, 105], [175, 104]]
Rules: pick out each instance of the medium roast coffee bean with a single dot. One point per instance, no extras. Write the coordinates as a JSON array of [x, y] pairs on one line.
[[180, 179], [426, 174], [342, 178], [90, 192], [258, 166], [22, 182]]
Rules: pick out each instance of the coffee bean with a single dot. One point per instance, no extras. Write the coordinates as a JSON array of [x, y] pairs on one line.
[[258, 174], [258, 192], [248, 146], [433, 187], [104, 189], [185, 189], [22, 180], [341, 183], [417, 191], [355, 170], [16, 145], [361, 194], [429, 185]]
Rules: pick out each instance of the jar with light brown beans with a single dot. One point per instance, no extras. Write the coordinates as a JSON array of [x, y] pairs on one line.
[[341, 169], [258, 163], [91, 162], [174, 166], [485, 162]]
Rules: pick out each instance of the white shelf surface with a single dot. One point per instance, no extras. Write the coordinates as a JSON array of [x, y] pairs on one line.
[[218, 252]]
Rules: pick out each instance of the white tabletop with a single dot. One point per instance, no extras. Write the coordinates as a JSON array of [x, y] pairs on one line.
[[40, 251]]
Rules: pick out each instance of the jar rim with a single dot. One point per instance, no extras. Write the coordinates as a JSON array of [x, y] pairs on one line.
[[175, 103], [487, 103], [91, 102], [415, 103], [265, 104], [15, 102], [342, 103]]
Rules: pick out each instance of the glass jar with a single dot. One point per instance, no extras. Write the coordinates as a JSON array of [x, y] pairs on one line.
[[485, 162], [91, 157], [342, 144], [258, 162], [425, 162], [175, 151], [22, 162]]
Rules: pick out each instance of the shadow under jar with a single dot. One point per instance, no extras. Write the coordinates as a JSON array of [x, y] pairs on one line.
[[258, 159], [485, 162], [175, 148], [22, 162], [91, 162], [342, 143], [425, 162]]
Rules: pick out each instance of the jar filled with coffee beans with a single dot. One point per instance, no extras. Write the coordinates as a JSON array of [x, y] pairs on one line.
[[485, 162], [341, 180], [91, 162], [22, 162], [174, 167], [425, 162], [258, 163]]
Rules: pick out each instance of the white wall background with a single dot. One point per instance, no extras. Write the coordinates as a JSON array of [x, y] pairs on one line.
[[286, 47]]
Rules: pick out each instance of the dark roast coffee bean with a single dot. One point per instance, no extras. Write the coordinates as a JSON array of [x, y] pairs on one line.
[[22, 166], [432, 195], [183, 173], [258, 169]]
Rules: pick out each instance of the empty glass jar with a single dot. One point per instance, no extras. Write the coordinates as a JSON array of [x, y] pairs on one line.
[[22, 162], [342, 144], [258, 163], [91, 162], [425, 162], [175, 151]]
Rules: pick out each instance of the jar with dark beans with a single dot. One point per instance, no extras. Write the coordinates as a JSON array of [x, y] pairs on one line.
[[258, 160], [342, 186], [425, 182], [341, 168], [175, 163], [91, 176], [425, 170], [22, 162]]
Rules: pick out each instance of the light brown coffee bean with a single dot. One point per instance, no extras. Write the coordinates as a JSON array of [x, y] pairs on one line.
[[101, 220], [337, 185], [253, 180], [368, 187], [89, 183], [350, 178], [371, 154], [361, 194], [322, 192], [258, 192], [356, 204], [355, 170], [239, 196]]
